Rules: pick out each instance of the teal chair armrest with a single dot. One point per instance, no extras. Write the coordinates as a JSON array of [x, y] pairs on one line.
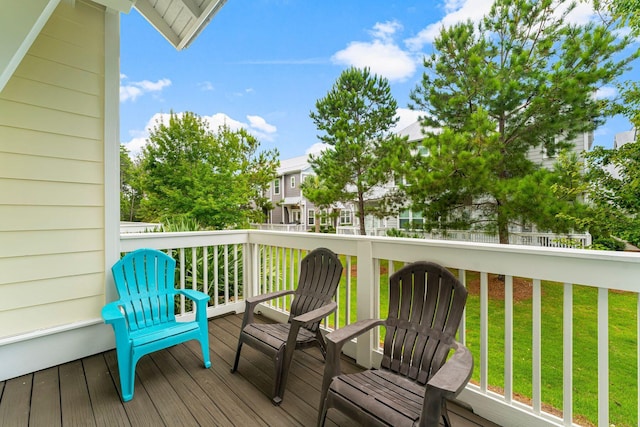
[[194, 295], [200, 299], [112, 315]]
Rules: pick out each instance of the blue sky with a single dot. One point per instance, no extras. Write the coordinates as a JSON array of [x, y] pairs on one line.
[[262, 64]]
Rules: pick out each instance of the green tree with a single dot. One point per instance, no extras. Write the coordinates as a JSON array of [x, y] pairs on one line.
[[614, 192], [319, 194], [130, 190], [216, 179], [523, 79], [356, 118]]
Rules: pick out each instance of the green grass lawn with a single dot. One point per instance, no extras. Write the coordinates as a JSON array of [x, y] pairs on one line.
[[622, 344]]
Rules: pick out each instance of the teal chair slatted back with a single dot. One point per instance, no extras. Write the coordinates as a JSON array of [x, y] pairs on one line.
[[145, 283]]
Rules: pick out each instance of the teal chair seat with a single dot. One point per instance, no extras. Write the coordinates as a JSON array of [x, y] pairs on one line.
[[143, 319]]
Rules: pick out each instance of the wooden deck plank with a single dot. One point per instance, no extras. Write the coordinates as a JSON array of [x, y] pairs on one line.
[[219, 391], [173, 388], [45, 399], [200, 405], [74, 396], [140, 410], [170, 406], [16, 399], [105, 399]]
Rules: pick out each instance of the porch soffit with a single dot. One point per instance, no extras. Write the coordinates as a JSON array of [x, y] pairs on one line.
[[20, 24], [179, 21]]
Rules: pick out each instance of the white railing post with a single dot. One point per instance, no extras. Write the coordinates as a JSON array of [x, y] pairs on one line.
[[603, 357], [365, 298], [567, 357]]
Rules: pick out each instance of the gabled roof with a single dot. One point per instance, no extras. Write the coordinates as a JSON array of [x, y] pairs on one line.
[[294, 164], [179, 21]]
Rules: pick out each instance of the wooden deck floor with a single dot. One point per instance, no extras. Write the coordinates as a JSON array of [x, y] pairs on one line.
[[173, 389]]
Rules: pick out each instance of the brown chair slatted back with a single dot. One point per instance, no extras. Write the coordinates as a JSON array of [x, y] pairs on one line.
[[320, 273], [426, 304]]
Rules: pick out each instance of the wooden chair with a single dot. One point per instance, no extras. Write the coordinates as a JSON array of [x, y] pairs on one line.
[[426, 303], [143, 319], [320, 273]]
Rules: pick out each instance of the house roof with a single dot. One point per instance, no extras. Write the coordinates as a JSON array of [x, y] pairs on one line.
[[294, 164], [179, 21]]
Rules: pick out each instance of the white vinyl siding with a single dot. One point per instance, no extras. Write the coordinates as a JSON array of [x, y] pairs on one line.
[[52, 176]]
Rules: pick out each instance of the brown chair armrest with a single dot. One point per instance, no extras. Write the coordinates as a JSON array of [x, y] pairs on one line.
[[454, 375], [316, 315]]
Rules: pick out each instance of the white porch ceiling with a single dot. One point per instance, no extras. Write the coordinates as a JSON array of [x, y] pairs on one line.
[[179, 21]]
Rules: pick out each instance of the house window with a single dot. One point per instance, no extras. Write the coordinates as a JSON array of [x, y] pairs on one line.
[[410, 220], [276, 186], [345, 217], [293, 182], [324, 217], [312, 217]]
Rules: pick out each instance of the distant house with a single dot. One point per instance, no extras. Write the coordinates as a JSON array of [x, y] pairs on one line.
[[625, 137], [290, 206], [293, 208]]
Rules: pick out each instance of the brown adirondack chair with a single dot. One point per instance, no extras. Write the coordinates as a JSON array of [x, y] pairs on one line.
[[426, 303], [320, 273]]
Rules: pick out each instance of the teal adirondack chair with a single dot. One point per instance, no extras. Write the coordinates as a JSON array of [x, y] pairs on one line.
[[143, 319]]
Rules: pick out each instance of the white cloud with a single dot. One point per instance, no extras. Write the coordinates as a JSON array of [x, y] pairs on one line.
[[385, 30], [606, 92], [457, 11], [257, 126], [473, 10], [132, 90], [257, 122], [205, 86], [382, 55], [317, 148]]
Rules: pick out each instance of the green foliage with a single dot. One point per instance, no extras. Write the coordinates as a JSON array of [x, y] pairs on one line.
[[215, 178], [130, 187], [224, 264], [522, 80], [614, 193], [356, 117]]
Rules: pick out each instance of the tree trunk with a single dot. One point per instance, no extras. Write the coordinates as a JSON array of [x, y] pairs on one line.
[[317, 220], [503, 226], [363, 231]]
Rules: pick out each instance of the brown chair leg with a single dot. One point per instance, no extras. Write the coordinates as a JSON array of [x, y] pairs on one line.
[[278, 389], [235, 363]]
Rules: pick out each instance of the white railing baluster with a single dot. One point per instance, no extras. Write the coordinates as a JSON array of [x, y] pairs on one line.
[[536, 347], [226, 274], [235, 272], [347, 302], [216, 276], [462, 335], [508, 338], [484, 331], [603, 357], [194, 269], [182, 280], [567, 354], [205, 271]]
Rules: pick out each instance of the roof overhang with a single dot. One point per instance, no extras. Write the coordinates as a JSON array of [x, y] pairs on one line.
[[21, 22], [179, 21]]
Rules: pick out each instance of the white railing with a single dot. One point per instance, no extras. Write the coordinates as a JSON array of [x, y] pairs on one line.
[[562, 284], [549, 240], [281, 227]]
